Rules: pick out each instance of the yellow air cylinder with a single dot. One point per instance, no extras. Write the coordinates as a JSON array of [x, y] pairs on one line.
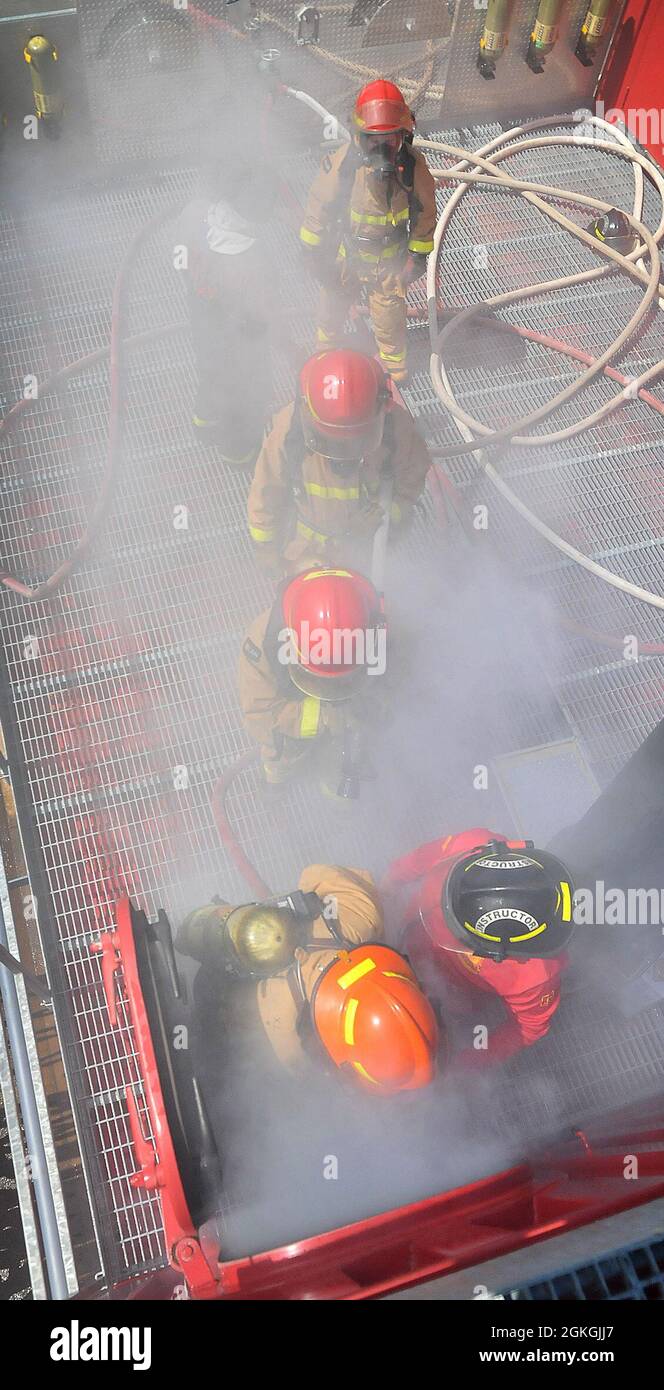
[[494, 36], [593, 30], [42, 58], [544, 36]]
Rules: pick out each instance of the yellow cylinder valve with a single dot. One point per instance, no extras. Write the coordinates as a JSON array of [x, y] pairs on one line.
[[494, 37], [544, 35], [593, 30], [42, 58]]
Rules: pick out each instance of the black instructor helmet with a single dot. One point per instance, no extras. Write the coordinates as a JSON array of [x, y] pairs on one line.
[[506, 901]]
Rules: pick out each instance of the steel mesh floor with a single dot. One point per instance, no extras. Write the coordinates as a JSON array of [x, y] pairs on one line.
[[121, 691]]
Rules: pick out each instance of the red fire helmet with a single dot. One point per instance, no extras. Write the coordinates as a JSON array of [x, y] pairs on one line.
[[334, 617], [343, 399], [380, 109]]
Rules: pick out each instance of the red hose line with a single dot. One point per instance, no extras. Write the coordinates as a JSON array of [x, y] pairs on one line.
[[209, 21], [227, 834], [580, 356], [80, 365], [618, 643]]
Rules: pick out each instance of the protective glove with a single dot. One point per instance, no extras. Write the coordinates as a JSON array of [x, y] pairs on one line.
[[366, 518], [414, 268]]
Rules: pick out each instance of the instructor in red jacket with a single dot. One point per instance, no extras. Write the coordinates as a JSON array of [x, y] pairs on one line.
[[491, 914]]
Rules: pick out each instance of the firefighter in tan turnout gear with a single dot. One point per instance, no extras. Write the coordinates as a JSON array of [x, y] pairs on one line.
[[307, 971], [369, 222], [308, 670], [319, 481]]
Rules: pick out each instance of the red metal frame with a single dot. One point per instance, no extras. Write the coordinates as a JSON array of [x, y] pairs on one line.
[[633, 77], [582, 1180], [157, 1163], [444, 1234]]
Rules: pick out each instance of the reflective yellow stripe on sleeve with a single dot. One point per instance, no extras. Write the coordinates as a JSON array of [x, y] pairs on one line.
[[311, 535], [310, 716], [257, 534], [309, 238], [393, 356], [421, 247]]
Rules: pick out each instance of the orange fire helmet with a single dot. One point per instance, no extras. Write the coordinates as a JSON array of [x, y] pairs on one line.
[[372, 1018]]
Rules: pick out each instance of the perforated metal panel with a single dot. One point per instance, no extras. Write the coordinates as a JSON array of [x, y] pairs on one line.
[[161, 79]]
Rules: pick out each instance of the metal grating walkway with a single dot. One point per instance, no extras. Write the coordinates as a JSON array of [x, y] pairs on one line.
[[633, 1274], [119, 695]]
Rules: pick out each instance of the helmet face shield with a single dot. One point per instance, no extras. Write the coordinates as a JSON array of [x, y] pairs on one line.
[[381, 109], [332, 687], [345, 443]]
